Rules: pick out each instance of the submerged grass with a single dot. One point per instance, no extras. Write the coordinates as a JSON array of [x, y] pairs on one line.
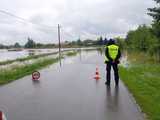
[[72, 53], [143, 80]]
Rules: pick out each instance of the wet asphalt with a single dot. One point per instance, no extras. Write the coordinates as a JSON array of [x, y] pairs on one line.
[[69, 92]]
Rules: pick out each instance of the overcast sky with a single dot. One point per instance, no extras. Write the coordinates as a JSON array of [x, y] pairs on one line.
[[78, 18]]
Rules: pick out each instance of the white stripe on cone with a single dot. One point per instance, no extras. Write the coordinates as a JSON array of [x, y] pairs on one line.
[[3, 117]]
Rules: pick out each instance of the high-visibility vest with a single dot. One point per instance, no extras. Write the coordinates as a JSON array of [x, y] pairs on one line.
[[113, 52]]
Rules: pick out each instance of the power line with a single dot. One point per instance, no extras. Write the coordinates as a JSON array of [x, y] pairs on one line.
[[40, 25], [68, 34], [25, 20]]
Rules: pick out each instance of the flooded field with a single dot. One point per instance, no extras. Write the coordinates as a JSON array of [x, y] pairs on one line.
[[12, 55]]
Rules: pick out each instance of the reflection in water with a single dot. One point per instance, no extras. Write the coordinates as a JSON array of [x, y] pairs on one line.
[[31, 53], [97, 81], [60, 60], [112, 99], [98, 85], [80, 54], [12, 55], [116, 95], [85, 54], [100, 51], [36, 83]]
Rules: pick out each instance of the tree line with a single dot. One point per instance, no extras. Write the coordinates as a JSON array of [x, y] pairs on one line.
[[77, 43], [145, 38], [29, 44]]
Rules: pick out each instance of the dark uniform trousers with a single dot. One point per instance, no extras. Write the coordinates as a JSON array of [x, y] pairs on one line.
[[108, 75]]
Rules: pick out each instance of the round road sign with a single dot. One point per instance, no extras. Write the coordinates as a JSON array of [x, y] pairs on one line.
[[35, 75]]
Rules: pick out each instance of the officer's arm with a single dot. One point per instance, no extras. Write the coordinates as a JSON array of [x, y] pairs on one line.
[[119, 55], [107, 54]]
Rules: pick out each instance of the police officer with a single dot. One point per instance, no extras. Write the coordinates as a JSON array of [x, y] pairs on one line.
[[112, 54]]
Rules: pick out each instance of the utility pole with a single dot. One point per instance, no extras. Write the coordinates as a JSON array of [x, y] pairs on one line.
[[59, 40]]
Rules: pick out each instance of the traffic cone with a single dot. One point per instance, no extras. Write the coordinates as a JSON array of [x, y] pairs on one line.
[[97, 77], [1, 115]]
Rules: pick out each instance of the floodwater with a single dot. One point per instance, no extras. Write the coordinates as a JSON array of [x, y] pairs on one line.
[[69, 92], [11, 55]]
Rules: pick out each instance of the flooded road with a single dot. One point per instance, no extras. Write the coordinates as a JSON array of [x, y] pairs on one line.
[[69, 93]]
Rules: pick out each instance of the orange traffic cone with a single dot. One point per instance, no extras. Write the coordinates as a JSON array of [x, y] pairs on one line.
[[97, 77]]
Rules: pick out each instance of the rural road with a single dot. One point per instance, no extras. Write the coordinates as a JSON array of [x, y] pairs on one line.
[[69, 93]]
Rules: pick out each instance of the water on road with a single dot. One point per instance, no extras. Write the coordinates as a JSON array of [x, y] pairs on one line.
[[69, 92]]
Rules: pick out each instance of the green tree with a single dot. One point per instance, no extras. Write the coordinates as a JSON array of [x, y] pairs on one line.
[[121, 42], [140, 39], [79, 42], [30, 44], [155, 13], [88, 42], [100, 41], [2, 46], [17, 45], [40, 45], [105, 41]]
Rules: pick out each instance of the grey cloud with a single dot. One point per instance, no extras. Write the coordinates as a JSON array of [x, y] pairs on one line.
[[87, 18]]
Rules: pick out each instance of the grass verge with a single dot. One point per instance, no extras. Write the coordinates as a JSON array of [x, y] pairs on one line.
[[143, 80], [7, 76]]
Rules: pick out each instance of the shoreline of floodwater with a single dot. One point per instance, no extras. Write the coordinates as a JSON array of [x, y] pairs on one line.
[[18, 71]]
